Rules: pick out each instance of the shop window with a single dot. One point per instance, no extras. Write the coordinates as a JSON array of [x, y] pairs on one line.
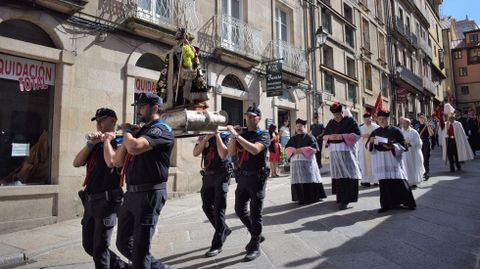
[[25, 31], [26, 116]]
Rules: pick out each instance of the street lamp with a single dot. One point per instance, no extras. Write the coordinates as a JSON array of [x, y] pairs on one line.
[[317, 43]]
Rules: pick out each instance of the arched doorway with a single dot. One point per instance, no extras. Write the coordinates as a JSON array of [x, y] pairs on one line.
[[27, 88], [233, 106]]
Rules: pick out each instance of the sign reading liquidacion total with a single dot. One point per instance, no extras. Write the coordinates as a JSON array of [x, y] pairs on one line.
[[31, 75], [145, 85]]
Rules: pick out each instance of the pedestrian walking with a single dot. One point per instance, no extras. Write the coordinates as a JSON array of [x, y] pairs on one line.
[[318, 130], [217, 169], [306, 182], [425, 133], [102, 194], [251, 172], [456, 148], [412, 157], [341, 135], [364, 156], [387, 145], [145, 155], [472, 132], [273, 150]]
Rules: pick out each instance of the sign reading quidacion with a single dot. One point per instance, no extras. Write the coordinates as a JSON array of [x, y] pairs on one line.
[[274, 79]]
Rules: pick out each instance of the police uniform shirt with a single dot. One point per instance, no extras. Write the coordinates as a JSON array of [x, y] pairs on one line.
[[255, 162], [211, 159], [425, 134], [101, 178], [151, 167]]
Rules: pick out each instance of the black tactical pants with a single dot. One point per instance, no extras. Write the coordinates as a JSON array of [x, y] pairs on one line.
[[99, 218], [426, 154], [452, 154], [137, 219], [250, 188], [214, 198]]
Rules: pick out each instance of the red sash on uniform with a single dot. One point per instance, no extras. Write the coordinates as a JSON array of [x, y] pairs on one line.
[[126, 162], [91, 162]]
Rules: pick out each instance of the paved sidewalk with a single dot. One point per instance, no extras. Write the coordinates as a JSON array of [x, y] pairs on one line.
[[444, 231]]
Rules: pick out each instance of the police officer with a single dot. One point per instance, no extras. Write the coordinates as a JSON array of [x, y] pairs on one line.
[[102, 194], [216, 173], [145, 154], [251, 172], [425, 133]]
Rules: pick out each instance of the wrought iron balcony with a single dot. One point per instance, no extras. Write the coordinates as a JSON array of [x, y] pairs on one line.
[[168, 14], [294, 59], [427, 50], [414, 39], [409, 77], [231, 34], [429, 86], [64, 6], [400, 26]]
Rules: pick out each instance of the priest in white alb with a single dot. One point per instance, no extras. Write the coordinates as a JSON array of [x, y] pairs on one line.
[[455, 143], [364, 156], [412, 158]]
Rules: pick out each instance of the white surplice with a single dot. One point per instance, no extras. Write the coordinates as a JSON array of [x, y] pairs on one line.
[[364, 156], [413, 158]]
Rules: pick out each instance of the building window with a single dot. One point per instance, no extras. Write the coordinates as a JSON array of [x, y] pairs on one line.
[[281, 24], [156, 10], [463, 71], [326, 20], [329, 84], [351, 68], [328, 56], [351, 92], [385, 84], [368, 76], [473, 38], [474, 56], [464, 90], [457, 54], [350, 36], [381, 46], [348, 13], [366, 34], [233, 82], [379, 10]]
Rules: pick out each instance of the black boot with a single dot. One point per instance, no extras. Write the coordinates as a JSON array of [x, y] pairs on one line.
[[253, 248]]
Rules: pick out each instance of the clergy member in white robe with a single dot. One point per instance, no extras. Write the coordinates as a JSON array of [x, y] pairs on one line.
[[364, 156], [387, 145], [455, 144], [412, 158]]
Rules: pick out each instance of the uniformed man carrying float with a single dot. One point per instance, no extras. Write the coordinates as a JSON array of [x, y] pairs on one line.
[[251, 172], [102, 194], [216, 171], [145, 156]]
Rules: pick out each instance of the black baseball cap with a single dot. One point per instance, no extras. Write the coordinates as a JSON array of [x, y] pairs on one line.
[[255, 111], [148, 98], [104, 112]]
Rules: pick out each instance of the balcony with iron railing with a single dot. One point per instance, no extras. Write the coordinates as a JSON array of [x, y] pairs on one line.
[[224, 33], [409, 77], [429, 85], [64, 6], [423, 45], [414, 39], [159, 19], [294, 59]]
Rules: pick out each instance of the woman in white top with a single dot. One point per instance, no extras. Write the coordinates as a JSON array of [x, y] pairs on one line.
[[284, 133]]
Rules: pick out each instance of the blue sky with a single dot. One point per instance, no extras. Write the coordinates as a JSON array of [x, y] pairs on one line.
[[459, 8]]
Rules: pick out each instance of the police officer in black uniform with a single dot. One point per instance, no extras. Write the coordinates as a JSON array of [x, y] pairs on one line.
[[216, 173], [145, 155], [251, 172], [425, 133], [102, 194]]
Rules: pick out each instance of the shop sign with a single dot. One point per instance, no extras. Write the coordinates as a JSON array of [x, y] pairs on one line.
[[31, 75], [402, 94], [274, 79], [145, 85]]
